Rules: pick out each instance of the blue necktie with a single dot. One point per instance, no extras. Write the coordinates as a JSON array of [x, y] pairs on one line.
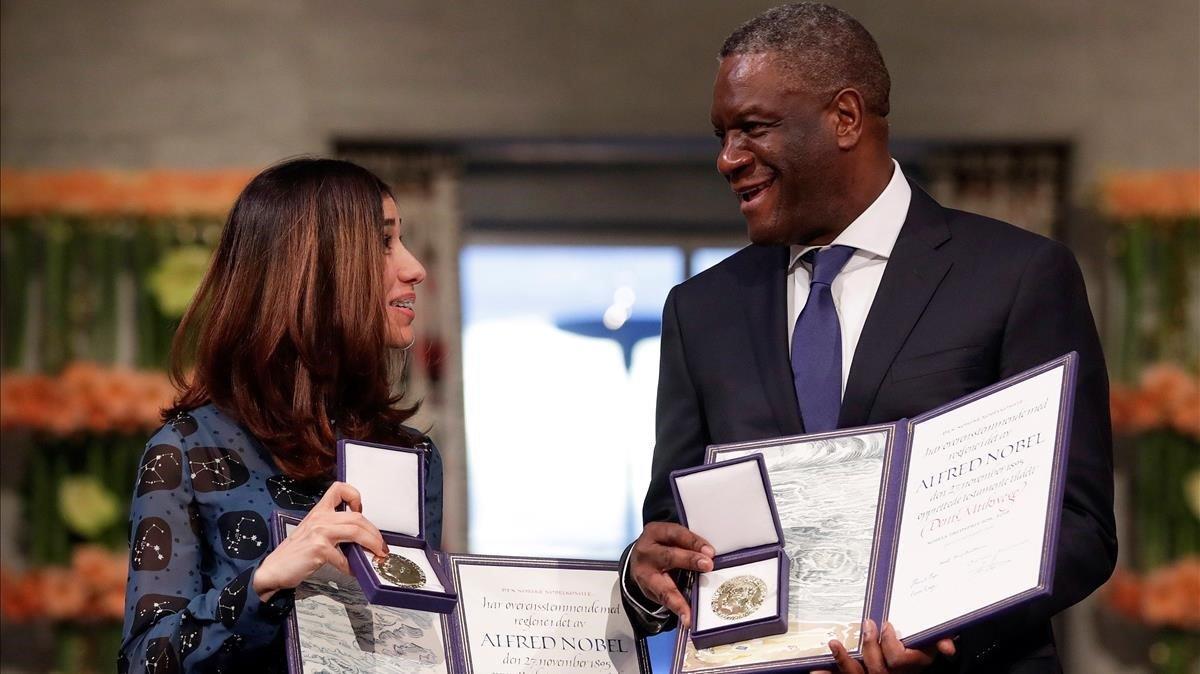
[[817, 344]]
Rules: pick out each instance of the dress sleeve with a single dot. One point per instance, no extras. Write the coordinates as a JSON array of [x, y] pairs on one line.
[[175, 619]]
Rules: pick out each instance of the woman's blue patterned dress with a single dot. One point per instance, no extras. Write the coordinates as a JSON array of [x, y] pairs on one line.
[[204, 493]]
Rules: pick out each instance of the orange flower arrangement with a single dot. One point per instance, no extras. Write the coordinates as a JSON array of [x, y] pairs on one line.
[[84, 397], [1166, 597], [92, 192], [1123, 593], [1153, 194], [1166, 397], [92, 589]]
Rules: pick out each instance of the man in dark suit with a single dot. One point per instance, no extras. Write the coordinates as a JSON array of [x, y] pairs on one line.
[[861, 301]]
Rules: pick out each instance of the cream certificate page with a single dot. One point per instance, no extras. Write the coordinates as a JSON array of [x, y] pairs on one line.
[[973, 521], [517, 619]]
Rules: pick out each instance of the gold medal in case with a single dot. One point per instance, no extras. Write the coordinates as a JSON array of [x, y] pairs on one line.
[[738, 597], [400, 570]]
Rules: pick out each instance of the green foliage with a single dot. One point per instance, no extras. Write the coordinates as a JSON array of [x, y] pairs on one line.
[[78, 288], [108, 466], [177, 277], [86, 506], [1158, 263], [83, 289]]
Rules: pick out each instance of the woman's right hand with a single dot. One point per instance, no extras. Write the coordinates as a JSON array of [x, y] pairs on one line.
[[314, 543]]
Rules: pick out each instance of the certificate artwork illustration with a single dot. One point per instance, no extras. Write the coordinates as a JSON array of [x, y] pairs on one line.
[[826, 492], [340, 632]]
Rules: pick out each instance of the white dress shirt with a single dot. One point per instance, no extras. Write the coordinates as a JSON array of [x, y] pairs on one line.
[[873, 235]]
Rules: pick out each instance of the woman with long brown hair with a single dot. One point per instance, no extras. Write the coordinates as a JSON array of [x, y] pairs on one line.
[[286, 347]]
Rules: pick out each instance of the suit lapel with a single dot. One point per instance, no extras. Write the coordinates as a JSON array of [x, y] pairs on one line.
[[914, 271], [765, 301]]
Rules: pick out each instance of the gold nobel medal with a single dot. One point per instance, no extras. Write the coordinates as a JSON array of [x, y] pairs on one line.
[[400, 571], [738, 597]]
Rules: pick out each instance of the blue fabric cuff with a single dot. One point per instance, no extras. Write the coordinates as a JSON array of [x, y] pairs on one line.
[[241, 611]]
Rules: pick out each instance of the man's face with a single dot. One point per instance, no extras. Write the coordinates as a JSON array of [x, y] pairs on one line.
[[778, 150]]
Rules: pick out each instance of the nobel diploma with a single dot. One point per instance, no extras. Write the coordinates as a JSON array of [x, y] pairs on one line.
[[973, 521], [539, 615]]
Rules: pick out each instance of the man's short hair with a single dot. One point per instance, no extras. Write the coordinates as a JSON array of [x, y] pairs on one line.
[[826, 47]]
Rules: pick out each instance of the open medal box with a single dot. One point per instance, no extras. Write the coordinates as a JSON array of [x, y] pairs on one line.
[[391, 481], [731, 506]]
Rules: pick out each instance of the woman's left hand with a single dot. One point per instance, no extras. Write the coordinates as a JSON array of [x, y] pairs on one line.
[[886, 656]]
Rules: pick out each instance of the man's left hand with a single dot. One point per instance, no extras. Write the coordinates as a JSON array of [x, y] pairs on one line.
[[886, 655]]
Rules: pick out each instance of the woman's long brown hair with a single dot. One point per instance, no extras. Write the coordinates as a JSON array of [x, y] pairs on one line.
[[287, 332]]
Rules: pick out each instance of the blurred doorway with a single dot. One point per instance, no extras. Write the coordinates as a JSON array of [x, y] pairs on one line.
[[569, 251]]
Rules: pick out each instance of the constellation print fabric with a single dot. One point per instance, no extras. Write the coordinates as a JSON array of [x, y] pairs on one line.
[[203, 494]]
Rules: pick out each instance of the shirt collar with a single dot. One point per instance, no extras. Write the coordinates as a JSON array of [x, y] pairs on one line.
[[876, 229]]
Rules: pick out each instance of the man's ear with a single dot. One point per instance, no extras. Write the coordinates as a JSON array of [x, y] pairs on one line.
[[849, 111]]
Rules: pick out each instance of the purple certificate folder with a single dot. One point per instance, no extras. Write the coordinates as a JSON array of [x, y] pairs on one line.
[[391, 481], [518, 614], [332, 627], [932, 523]]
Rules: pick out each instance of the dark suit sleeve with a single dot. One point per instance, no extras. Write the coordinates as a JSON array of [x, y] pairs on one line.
[[681, 431], [433, 494], [1049, 317], [681, 435]]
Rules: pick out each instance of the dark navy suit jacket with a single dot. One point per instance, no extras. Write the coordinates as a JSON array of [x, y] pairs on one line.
[[964, 302]]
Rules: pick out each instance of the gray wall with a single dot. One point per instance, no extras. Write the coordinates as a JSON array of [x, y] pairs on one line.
[[242, 83]]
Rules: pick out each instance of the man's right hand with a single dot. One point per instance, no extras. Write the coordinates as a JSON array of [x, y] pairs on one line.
[[662, 548]]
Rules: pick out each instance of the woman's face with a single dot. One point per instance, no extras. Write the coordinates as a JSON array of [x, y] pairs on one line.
[[401, 274]]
